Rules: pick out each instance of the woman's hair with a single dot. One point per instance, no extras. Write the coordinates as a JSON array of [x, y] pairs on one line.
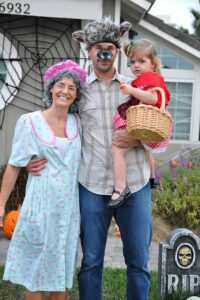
[[59, 76], [64, 69], [147, 48]]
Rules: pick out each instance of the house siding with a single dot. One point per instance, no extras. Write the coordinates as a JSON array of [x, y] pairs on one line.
[[40, 42], [22, 31]]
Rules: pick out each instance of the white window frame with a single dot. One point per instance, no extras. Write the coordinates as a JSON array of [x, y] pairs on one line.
[[191, 118], [187, 76], [176, 75], [14, 73]]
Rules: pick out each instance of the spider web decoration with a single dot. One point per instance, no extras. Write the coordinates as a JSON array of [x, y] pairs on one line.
[[39, 43]]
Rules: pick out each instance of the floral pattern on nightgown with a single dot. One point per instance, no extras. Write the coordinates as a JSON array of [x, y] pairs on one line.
[[42, 253]]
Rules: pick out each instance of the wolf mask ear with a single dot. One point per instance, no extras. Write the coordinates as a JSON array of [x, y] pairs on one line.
[[124, 27], [79, 36]]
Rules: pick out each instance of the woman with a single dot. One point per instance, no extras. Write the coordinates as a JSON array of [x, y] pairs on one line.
[[42, 252]]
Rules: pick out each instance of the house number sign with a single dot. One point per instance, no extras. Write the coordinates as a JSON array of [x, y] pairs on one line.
[[16, 8], [87, 9]]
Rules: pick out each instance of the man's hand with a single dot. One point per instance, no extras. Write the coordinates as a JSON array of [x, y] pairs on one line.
[[36, 165], [122, 139]]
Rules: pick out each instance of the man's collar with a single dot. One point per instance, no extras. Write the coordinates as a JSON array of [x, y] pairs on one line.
[[92, 77]]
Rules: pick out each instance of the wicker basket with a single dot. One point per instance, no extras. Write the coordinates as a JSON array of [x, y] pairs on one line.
[[148, 123]]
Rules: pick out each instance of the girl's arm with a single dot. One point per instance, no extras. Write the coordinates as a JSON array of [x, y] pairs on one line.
[[9, 179], [146, 97]]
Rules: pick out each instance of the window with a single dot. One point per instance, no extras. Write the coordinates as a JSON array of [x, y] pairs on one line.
[[180, 107], [3, 72], [181, 89], [10, 71], [169, 59]]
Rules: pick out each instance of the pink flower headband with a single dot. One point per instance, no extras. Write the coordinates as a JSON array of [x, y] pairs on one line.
[[67, 65]]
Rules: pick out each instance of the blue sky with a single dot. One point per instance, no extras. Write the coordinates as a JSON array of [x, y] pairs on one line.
[[178, 10]]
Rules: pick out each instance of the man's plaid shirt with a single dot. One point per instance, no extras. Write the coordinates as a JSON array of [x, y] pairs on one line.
[[97, 107]]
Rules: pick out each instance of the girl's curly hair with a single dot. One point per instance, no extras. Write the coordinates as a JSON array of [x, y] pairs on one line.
[[146, 47]]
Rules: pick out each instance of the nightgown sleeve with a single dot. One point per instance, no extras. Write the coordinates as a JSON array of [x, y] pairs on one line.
[[24, 144]]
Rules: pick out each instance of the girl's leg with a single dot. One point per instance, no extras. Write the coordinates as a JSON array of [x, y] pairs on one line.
[[34, 295], [58, 296], [152, 169], [119, 168], [151, 164]]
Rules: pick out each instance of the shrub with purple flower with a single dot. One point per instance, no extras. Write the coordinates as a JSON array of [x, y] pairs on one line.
[[177, 199]]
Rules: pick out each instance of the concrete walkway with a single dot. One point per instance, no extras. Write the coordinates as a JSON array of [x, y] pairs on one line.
[[113, 254]]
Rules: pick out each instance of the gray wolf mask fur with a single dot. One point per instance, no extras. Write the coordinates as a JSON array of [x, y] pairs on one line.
[[101, 31]]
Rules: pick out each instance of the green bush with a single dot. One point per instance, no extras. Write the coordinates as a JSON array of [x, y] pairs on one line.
[[17, 196], [177, 199]]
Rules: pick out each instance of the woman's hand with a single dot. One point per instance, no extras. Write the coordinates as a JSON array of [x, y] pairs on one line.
[[122, 139], [36, 165], [8, 182]]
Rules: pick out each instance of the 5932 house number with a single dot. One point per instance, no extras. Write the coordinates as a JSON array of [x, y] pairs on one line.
[[18, 8]]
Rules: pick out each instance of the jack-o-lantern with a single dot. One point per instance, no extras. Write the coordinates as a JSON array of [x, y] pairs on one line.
[[10, 222]]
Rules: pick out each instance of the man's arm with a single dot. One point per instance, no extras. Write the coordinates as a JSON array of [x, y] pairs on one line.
[[122, 139], [36, 165]]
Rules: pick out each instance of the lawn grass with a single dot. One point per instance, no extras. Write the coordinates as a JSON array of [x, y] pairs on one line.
[[114, 282]]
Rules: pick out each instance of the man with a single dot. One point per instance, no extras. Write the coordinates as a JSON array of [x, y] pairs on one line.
[[97, 108]]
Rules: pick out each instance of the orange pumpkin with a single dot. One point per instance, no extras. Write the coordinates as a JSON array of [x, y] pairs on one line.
[[190, 164], [174, 163], [10, 222], [117, 231]]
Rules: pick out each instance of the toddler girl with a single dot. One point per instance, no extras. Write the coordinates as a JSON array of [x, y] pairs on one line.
[[145, 65]]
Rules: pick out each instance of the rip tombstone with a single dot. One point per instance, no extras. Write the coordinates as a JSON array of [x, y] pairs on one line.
[[179, 262]]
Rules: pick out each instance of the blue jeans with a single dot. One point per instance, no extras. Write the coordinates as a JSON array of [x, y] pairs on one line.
[[134, 221]]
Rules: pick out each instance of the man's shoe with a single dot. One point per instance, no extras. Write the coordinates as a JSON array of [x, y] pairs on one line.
[[120, 200]]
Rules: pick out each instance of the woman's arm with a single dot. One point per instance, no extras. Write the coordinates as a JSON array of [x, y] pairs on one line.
[[9, 179]]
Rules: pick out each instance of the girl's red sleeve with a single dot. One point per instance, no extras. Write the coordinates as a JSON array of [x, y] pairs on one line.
[[150, 79]]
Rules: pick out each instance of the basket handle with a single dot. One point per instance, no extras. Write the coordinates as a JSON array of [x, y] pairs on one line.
[[162, 107]]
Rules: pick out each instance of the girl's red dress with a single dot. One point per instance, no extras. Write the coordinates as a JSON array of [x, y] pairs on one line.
[[144, 82]]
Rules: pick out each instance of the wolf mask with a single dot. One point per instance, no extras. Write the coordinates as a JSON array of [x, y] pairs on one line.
[[101, 31]]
